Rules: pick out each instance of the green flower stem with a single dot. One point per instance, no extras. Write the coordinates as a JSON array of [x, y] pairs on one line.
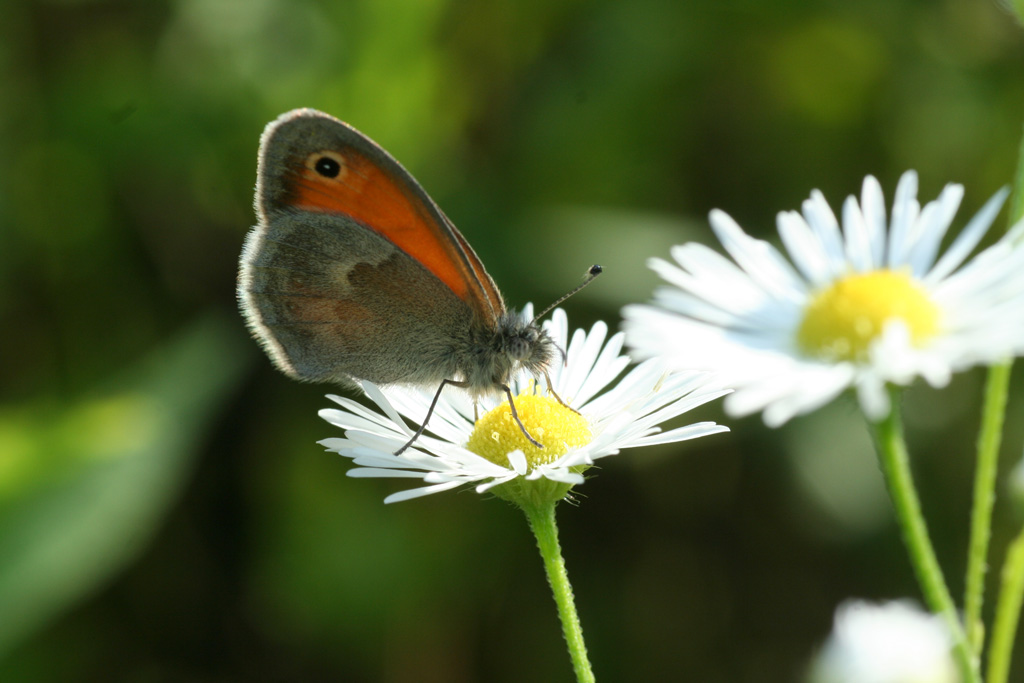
[[1004, 629], [542, 522], [1017, 189], [895, 463], [989, 439]]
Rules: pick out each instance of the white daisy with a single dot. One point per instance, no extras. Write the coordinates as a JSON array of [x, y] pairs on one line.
[[862, 305], [894, 642], [627, 415]]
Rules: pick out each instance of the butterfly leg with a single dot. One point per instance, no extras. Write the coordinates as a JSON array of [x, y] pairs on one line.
[[551, 390], [433, 404], [430, 411], [515, 416]]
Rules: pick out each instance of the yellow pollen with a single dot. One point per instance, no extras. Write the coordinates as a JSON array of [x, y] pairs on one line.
[[559, 428], [840, 322]]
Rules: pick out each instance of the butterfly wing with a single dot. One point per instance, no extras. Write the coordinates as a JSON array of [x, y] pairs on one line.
[[373, 189], [353, 271]]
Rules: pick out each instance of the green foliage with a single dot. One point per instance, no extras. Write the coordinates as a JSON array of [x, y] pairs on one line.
[[86, 484]]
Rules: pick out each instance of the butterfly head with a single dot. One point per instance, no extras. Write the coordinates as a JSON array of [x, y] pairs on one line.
[[525, 343], [513, 344]]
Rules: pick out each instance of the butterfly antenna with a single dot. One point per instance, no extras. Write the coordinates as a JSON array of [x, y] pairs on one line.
[[592, 273]]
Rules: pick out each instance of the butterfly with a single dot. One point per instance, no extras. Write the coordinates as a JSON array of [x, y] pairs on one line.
[[353, 272]]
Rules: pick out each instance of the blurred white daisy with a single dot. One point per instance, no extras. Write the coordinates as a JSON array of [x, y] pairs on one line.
[[862, 305], [493, 451], [894, 642]]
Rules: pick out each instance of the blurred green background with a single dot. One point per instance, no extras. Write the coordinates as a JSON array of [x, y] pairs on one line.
[[165, 512]]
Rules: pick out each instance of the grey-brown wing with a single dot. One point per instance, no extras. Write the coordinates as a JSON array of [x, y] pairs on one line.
[[331, 300]]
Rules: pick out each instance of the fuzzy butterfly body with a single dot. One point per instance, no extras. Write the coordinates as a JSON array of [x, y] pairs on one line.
[[353, 272]]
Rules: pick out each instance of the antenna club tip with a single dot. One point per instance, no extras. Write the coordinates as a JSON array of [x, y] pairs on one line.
[[593, 272]]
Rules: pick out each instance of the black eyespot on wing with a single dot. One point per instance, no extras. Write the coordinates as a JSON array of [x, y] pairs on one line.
[[327, 167]]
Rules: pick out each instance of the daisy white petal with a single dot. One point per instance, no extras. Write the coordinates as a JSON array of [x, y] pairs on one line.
[[905, 210], [872, 205], [935, 220], [684, 433], [703, 268], [967, 240], [760, 261], [809, 256], [409, 494], [607, 367], [857, 237], [819, 216]]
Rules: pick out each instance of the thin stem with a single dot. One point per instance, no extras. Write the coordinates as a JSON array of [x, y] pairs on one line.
[[895, 463], [1004, 629], [542, 523], [989, 439], [1017, 190]]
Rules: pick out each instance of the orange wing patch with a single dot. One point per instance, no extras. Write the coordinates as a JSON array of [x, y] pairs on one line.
[[350, 184]]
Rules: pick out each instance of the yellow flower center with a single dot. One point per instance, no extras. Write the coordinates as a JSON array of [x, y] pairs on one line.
[[840, 322], [559, 428]]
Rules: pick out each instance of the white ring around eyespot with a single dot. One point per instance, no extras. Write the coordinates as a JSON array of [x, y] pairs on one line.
[[317, 156]]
